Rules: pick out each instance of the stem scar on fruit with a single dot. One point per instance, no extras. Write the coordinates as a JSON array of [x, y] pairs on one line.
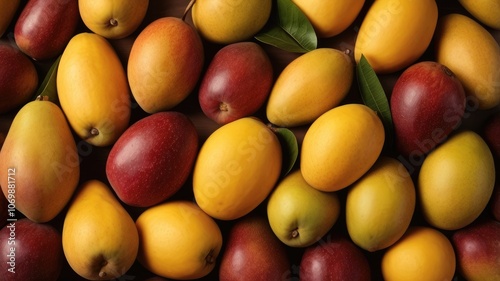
[[113, 22], [295, 233], [210, 259]]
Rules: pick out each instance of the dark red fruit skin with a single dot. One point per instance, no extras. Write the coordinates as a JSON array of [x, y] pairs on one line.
[[253, 252], [240, 77], [37, 249], [18, 78], [477, 248], [495, 201], [336, 258], [45, 27], [427, 104], [153, 158]]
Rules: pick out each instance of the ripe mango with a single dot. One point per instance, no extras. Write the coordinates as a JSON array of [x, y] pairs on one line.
[[330, 18], [395, 33], [164, 64], [39, 163], [7, 13], [236, 169], [99, 238], [93, 89], [309, 86], [340, 146], [486, 11], [178, 240], [456, 181], [380, 206], [473, 54], [230, 21]]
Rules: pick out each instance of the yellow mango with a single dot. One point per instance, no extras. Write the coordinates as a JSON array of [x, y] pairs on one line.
[[340, 146], [486, 11], [330, 18], [309, 86], [473, 55], [395, 33], [236, 169], [99, 238], [178, 240], [456, 181], [93, 89], [230, 21], [39, 162], [380, 205]]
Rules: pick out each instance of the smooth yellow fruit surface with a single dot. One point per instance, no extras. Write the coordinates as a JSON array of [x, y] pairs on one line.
[[39, 161], [113, 19], [395, 33], [423, 253], [473, 54], [456, 181], [309, 86], [486, 11], [236, 169], [7, 13], [230, 21], [164, 64], [99, 238], [340, 146], [330, 18], [298, 213], [380, 206], [93, 89], [178, 240]]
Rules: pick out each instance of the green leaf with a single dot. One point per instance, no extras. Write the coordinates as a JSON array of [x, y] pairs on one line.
[[48, 87], [289, 29], [374, 96], [290, 149]]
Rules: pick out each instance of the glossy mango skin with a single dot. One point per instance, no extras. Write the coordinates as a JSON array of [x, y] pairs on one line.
[[309, 86], [93, 89], [473, 54], [99, 238], [40, 157], [230, 21], [236, 169], [380, 205], [456, 181], [7, 13], [330, 18], [395, 33], [485, 11], [340, 146]]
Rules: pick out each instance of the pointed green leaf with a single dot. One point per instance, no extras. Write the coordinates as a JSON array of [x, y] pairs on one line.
[[290, 149], [374, 96], [48, 87], [289, 29]]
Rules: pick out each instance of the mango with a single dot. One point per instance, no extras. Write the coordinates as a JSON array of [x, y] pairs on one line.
[[230, 21], [113, 19], [456, 181], [330, 18], [39, 162], [473, 54], [394, 33], [486, 11], [341, 146], [380, 206], [309, 86], [93, 89], [236, 168], [7, 13], [99, 238], [164, 64], [178, 240]]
